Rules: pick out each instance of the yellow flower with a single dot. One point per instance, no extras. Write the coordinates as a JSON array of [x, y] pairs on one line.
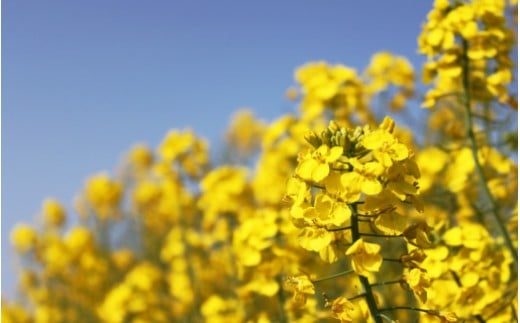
[[122, 258], [315, 239], [385, 147], [216, 309], [301, 286], [141, 158], [78, 240], [53, 213], [23, 238], [342, 309], [244, 132], [103, 194], [418, 281], [315, 166], [175, 144], [365, 257], [327, 211]]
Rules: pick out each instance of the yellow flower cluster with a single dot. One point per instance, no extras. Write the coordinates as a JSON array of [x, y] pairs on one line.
[[387, 70], [462, 36], [332, 214]]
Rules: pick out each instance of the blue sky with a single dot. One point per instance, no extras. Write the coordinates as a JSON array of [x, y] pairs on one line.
[[82, 81]]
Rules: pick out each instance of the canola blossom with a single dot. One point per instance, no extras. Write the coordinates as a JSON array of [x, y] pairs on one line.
[[337, 212]]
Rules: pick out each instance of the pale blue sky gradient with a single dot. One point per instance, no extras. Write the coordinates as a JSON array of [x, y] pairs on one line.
[[82, 81]]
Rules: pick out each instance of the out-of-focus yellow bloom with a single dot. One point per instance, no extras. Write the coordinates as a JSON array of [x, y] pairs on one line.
[[365, 257], [23, 238], [122, 258], [469, 235], [430, 161], [244, 132], [220, 310], [79, 240], [14, 313], [104, 195], [140, 157], [387, 70], [175, 144], [53, 213]]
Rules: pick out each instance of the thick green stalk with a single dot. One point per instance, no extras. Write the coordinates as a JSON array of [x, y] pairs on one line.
[[369, 295], [474, 150]]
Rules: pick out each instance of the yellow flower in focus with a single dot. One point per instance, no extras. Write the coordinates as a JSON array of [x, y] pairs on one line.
[[365, 257], [23, 238], [327, 211], [418, 281], [315, 239], [53, 213], [342, 309], [315, 166], [385, 147]]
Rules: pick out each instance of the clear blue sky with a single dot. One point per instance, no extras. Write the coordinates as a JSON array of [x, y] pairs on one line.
[[82, 81]]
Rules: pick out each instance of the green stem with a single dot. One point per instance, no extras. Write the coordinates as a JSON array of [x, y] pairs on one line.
[[338, 229], [281, 301], [408, 308], [474, 150], [390, 282], [381, 235], [369, 295], [343, 273], [281, 296]]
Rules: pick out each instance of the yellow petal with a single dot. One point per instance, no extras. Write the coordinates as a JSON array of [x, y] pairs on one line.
[[320, 172]]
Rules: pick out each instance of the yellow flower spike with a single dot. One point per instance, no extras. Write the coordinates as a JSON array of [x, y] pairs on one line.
[[365, 257]]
